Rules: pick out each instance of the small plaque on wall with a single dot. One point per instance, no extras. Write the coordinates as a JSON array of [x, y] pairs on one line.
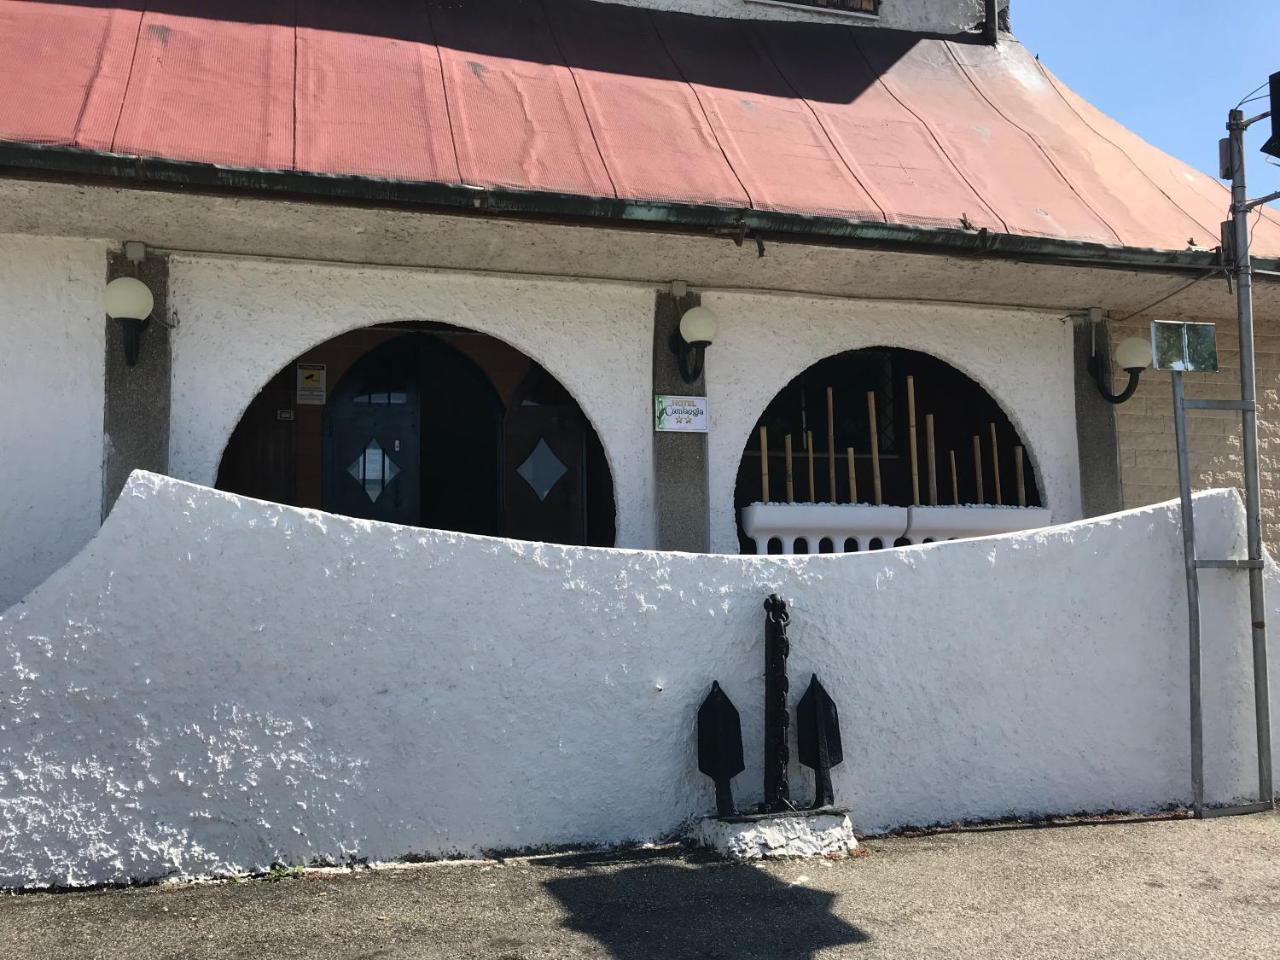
[[311, 386], [680, 414]]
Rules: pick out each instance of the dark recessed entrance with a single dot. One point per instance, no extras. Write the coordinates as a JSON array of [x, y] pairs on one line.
[[427, 426]]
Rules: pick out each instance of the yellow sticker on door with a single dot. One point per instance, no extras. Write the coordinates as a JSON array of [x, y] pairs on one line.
[[311, 383]]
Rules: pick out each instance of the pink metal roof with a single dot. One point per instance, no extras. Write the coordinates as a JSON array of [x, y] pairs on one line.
[[603, 100]]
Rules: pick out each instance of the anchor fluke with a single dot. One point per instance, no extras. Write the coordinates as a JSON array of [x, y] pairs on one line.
[[720, 745], [818, 739]]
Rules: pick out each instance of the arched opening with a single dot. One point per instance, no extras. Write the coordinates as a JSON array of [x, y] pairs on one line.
[[426, 425], [841, 433]]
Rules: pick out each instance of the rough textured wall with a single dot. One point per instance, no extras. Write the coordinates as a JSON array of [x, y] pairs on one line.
[[216, 683], [1023, 359], [242, 321], [1144, 425], [51, 389], [938, 16]]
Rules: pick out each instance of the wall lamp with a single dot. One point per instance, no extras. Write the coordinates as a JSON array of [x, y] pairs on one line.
[[1132, 355], [130, 301], [698, 328]]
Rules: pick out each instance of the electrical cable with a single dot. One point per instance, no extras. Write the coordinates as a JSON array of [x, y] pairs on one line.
[[1245, 98], [1212, 271]]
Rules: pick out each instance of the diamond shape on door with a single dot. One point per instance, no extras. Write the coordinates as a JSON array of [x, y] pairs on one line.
[[542, 470], [373, 470]]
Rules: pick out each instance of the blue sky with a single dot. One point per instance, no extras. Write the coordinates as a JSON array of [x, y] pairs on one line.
[[1167, 69]]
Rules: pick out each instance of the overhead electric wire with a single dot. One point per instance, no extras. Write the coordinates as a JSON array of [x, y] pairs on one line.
[[1245, 98]]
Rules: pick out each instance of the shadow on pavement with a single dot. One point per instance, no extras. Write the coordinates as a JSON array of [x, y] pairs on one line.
[[676, 909]]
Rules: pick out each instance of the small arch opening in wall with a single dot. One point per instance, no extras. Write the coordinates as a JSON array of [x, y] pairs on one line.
[[429, 425], [775, 546], [850, 545], [826, 545], [846, 422]]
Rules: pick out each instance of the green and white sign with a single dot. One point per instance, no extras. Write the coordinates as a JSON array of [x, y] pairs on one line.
[[679, 414]]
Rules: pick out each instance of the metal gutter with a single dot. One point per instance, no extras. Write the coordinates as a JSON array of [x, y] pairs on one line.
[[37, 161]]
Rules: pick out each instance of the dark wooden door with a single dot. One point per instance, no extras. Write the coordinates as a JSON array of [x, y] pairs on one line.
[[260, 459], [372, 429], [461, 443], [544, 481]]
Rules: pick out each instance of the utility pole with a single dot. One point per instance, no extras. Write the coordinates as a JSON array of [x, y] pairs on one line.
[[1233, 166]]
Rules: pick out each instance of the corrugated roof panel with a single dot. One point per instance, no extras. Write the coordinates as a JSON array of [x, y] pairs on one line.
[[359, 65], [1100, 173], [649, 125], [889, 150], [517, 118], [772, 139], [63, 71], [1199, 194], [219, 90], [603, 100], [1002, 162]]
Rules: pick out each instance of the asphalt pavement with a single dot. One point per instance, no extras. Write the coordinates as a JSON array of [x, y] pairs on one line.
[[1166, 889]]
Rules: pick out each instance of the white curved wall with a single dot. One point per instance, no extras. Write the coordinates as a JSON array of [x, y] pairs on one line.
[[216, 683], [51, 375], [1023, 359], [242, 321]]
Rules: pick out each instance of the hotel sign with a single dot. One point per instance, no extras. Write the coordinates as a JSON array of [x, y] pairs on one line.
[[679, 414]]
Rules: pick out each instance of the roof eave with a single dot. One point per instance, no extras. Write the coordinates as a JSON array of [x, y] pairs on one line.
[[40, 160]]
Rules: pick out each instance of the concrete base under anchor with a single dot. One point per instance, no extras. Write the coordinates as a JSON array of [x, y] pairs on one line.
[[798, 833]]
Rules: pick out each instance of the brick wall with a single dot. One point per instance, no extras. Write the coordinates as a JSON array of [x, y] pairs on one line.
[[1144, 426]]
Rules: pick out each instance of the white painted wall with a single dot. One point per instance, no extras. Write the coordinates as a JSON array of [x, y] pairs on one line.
[[1023, 359], [215, 683], [243, 320], [940, 16], [51, 396]]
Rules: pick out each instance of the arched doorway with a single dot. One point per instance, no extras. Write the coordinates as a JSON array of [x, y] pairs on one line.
[[956, 422], [426, 425]]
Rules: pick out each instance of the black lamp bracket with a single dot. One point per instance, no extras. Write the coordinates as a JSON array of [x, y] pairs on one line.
[[690, 357], [133, 339], [1100, 377]]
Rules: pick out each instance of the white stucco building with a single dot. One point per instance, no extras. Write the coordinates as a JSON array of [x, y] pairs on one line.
[[428, 267]]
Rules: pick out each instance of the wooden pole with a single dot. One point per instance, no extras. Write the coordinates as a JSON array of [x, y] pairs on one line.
[[995, 463], [791, 486], [853, 477], [875, 445], [831, 446], [808, 439], [911, 433], [764, 464], [929, 459], [977, 467], [1022, 486], [955, 480]]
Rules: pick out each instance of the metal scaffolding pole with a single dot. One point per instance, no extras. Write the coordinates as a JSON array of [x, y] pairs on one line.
[[1193, 593]]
